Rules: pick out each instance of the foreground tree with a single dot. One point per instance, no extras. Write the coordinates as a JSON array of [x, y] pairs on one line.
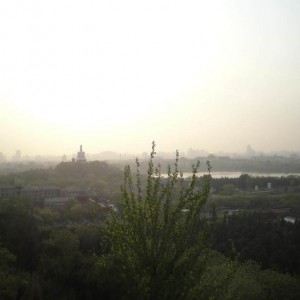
[[159, 238]]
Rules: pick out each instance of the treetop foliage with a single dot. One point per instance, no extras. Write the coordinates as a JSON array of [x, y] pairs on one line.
[[159, 234]]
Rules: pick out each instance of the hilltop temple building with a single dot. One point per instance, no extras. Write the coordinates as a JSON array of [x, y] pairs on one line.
[[81, 156]]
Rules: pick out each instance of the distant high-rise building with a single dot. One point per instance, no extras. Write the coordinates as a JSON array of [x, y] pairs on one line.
[[81, 156], [250, 151], [17, 156]]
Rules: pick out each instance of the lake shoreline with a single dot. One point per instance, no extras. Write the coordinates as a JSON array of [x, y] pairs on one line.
[[237, 174]]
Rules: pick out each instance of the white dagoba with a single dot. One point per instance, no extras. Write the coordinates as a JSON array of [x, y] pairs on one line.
[[81, 156]]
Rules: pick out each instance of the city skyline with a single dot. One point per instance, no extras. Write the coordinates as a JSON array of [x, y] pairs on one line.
[[112, 155]]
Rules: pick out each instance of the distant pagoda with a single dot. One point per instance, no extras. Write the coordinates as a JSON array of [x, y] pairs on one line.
[[81, 156]]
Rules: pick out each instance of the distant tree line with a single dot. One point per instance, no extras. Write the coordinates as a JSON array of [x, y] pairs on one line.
[[246, 182]]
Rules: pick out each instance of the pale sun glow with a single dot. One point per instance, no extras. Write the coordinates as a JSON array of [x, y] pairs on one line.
[[115, 75]]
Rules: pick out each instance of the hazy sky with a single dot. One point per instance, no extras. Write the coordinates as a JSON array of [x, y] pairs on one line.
[[115, 75]]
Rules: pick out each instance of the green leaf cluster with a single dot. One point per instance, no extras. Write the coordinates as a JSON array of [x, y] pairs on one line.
[[159, 236]]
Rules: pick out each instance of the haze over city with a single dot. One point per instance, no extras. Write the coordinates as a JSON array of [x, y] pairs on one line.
[[213, 75]]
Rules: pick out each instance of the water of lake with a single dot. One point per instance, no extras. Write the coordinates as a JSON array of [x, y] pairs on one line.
[[238, 174]]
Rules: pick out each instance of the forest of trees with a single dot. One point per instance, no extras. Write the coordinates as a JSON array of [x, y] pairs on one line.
[[257, 164], [158, 245], [275, 245]]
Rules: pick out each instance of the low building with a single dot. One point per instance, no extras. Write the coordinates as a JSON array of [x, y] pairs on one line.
[[57, 203], [7, 192], [31, 192], [228, 211], [290, 219], [76, 193], [49, 192]]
